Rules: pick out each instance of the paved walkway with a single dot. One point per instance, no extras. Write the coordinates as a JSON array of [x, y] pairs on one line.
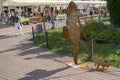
[[20, 59]]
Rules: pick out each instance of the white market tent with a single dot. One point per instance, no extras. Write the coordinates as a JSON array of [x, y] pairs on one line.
[[46, 2]]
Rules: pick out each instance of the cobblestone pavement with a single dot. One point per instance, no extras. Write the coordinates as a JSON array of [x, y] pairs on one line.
[[20, 59]]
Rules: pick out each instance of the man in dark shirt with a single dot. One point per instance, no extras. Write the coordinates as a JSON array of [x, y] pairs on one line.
[[17, 26]]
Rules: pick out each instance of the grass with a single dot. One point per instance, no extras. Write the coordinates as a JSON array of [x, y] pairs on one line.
[[57, 44]]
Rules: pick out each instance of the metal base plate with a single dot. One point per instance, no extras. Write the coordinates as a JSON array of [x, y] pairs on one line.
[[76, 66], [100, 68]]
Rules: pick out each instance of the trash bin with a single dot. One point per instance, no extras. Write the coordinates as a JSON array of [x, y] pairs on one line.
[[39, 28]]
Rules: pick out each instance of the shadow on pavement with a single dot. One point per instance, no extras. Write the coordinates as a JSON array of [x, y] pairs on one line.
[[29, 48], [40, 74], [22, 47], [3, 25], [32, 51], [6, 36], [41, 53]]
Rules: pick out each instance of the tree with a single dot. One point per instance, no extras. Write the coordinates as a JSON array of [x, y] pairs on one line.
[[114, 10]]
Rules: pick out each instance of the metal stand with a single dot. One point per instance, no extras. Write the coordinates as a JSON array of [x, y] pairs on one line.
[[91, 53], [33, 33], [46, 35]]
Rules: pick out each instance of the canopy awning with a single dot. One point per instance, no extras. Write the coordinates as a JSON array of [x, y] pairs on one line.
[[46, 2]]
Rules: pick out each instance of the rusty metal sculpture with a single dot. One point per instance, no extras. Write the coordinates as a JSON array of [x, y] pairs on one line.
[[72, 24], [73, 28], [101, 62]]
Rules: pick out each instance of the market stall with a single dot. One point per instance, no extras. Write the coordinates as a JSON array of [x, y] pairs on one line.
[[46, 2]]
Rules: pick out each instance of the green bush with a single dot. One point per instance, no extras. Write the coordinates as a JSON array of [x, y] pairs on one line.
[[101, 31]]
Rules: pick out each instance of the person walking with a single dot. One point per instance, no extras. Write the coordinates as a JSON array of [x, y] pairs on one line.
[[17, 25], [51, 14], [91, 12]]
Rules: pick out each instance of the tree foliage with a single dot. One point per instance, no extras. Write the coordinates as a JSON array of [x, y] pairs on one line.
[[114, 10]]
